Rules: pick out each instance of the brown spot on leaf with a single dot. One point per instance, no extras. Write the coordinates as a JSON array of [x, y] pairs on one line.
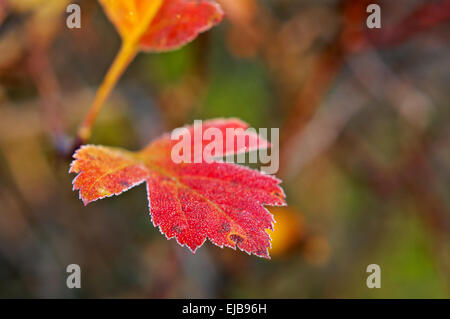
[[124, 183]]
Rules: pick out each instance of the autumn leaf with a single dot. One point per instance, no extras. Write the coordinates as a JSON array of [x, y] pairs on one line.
[[189, 201], [176, 23], [150, 25], [290, 231]]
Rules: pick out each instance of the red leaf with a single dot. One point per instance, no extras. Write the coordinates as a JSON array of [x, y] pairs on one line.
[[188, 201]]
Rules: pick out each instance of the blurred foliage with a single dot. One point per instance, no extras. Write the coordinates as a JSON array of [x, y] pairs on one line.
[[365, 150]]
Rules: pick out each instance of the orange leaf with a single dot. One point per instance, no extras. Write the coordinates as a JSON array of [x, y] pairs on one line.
[[189, 201], [151, 25]]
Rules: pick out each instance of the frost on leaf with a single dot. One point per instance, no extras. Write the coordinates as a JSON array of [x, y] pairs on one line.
[[189, 201], [176, 23]]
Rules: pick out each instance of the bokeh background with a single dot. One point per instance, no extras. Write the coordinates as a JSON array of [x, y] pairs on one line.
[[365, 149]]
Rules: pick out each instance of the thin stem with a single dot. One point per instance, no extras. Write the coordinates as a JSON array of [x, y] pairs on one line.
[[127, 53]]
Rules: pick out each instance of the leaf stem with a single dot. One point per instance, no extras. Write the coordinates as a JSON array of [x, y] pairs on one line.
[[128, 51], [126, 54]]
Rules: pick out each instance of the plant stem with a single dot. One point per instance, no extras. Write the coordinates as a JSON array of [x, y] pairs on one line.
[[128, 51]]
